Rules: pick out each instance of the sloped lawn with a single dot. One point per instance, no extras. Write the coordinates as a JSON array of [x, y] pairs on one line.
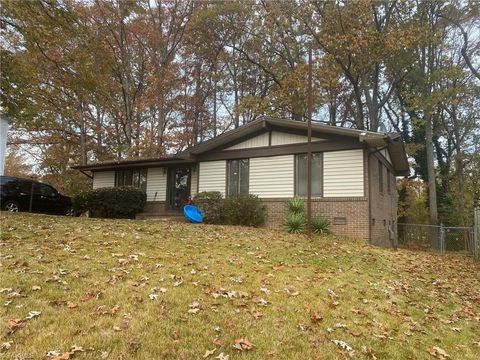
[[105, 289]]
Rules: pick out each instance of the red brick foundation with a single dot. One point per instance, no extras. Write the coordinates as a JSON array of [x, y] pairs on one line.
[[352, 211], [155, 207], [383, 205]]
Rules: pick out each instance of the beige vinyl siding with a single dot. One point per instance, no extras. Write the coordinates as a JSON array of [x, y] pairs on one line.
[[343, 173], [212, 176], [257, 141], [272, 177], [281, 138], [103, 179], [156, 184], [194, 181]]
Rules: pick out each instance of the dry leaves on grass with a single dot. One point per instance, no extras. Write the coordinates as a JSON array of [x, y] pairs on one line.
[[54, 355], [6, 345], [243, 344], [15, 324], [344, 346], [222, 356], [194, 307], [438, 353], [209, 353]]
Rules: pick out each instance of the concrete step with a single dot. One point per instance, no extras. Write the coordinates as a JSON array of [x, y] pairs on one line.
[[177, 217]]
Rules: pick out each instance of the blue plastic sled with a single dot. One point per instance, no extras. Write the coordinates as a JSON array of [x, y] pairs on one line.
[[193, 214]]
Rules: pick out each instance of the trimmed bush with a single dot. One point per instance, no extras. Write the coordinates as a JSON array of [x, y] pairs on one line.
[[320, 225], [246, 210], [296, 206], [122, 202], [213, 206], [79, 202], [295, 223]]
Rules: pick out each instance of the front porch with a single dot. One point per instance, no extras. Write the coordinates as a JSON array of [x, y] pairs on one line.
[[159, 210]]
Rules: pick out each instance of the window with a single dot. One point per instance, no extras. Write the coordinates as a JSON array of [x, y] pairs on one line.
[[237, 177], [301, 174], [137, 178], [389, 182], [380, 176]]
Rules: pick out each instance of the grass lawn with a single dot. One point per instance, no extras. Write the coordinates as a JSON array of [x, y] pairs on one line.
[[121, 289]]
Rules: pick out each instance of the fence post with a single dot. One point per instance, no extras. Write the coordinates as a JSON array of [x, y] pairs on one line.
[[476, 233], [442, 239]]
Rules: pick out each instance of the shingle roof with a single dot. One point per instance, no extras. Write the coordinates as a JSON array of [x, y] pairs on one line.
[[392, 141]]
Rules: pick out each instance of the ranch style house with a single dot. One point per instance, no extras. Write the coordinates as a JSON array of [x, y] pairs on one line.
[[353, 174]]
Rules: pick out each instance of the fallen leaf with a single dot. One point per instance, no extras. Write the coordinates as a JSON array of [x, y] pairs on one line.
[[208, 353], [217, 341], [243, 344], [222, 356], [69, 354], [343, 345], [71, 305], [33, 314], [437, 352], [52, 353], [316, 318], [36, 287], [6, 345]]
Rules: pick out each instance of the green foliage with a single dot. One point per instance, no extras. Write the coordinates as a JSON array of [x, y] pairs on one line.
[[296, 206], [212, 204], [246, 210], [69, 182], [111, 202], [320, 225], [295, 223]]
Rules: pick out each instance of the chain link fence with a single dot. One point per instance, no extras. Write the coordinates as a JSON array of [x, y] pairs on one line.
[[441, 238]]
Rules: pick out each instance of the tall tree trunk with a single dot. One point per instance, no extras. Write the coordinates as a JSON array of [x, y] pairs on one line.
[[83, 135], [215, 106], [125, 74], [197, 100]]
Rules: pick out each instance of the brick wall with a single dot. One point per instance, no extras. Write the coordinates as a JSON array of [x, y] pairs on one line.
[[383, 212], [353, 210], [155, 207]]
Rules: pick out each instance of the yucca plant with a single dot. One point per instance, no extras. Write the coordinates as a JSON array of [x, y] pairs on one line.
[[295, 223], [320, 225], [296, 206]]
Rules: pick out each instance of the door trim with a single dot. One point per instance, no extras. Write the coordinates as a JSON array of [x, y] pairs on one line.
[[171, 187]]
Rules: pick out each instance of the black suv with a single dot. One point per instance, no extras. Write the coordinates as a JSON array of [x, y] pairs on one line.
[[17, 194]]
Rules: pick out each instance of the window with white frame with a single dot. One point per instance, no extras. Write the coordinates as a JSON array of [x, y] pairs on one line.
[[301, 174]]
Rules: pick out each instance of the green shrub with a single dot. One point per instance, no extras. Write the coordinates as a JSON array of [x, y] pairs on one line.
[[246, 210], [296, 206], [213, 206], [295, 223], [79, 202], [320, 225], [111, 202]]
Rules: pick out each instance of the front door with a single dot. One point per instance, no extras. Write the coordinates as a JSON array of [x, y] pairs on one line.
[[178, 186]]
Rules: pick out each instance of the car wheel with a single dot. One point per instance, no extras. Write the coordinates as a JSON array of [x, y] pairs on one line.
[[11, 206]]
